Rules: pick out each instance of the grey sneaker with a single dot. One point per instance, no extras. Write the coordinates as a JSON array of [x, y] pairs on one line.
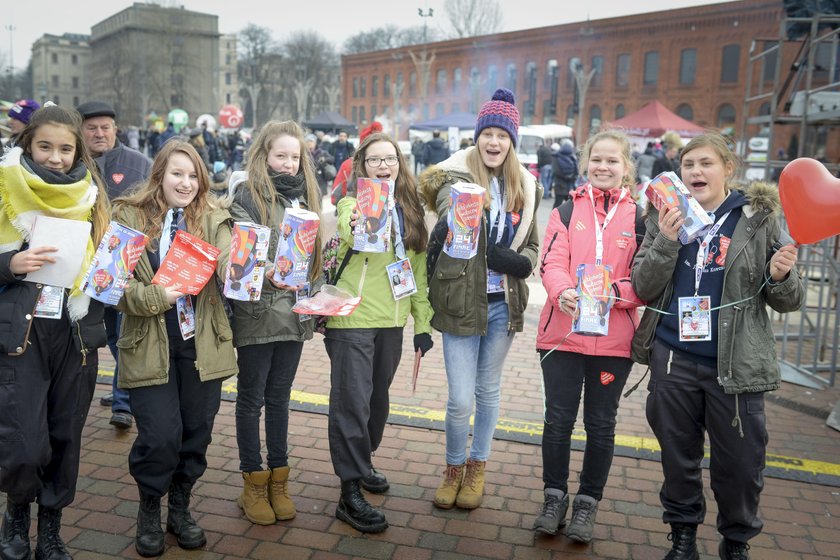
[[553, 514], [584, 510]]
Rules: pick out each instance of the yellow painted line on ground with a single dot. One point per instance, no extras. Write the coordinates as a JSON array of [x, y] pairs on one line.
[[534, 429]]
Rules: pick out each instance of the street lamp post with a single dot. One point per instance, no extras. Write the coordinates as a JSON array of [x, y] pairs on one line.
[[423, 61], [11, 29]]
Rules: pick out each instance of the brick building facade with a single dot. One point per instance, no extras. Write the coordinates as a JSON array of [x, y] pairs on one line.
[[693, 60]]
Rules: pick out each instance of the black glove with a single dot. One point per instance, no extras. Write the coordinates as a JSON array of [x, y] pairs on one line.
[[423, 342], [507, 261]]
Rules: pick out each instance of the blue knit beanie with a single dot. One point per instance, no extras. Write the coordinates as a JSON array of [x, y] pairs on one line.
[[500, 112]]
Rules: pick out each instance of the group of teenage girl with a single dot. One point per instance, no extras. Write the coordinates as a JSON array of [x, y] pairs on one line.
[[48, 365]]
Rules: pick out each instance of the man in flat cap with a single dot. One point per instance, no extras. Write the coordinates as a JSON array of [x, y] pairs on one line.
[[121, 168]]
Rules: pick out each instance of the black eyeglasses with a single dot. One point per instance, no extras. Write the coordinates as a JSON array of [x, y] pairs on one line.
[[377, 161]]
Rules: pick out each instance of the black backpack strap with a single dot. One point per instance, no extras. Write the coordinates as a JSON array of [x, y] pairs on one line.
[[343, 264], [565, 211]]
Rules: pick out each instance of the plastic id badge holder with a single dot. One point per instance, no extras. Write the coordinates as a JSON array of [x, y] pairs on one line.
[[401, 279], [695, 318]]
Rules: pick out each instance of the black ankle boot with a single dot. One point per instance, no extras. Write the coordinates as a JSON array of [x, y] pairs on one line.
[[149, 539], [179, 522], [684, 539], [14, 533], [50, 546], [357, 512]]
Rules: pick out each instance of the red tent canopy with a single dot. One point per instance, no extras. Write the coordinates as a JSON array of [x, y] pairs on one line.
[[653, 120]]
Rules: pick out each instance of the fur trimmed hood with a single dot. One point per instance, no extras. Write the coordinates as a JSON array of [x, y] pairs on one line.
[[763, 196]]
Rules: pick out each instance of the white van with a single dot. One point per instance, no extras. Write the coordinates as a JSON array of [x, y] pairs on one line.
[[530, 138]]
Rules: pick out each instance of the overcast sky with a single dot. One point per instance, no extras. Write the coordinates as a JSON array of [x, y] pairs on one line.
[[336, 20]]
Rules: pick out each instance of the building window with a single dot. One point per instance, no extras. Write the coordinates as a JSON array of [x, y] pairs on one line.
[[354, 114], [227, 98], [74, 59], [492, 78], [75, 101], [726, 116], [622, 70], [768, 62], [531, 84], [574, 63], [385, 110], [440, 85], [54, 81], [227, 60], [510, 77], [456, 107], [54, 57], [685, 111], [619, 110], [412, 84], [551, 73], [594, 118], [373, 111], [361, 114], [439, 110], [228, 79], [598, 77], [374, 86], [571, 111], [730, 60], [400, 85], [764, 109], [688, 66], [651, 73], [425, 111], [386, 85], [355, 87], [456, 80], [363, 87]]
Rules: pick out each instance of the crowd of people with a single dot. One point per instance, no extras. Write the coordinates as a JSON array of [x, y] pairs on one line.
[[71, 163]]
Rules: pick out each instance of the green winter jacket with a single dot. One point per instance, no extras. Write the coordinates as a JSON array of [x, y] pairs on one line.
[[458, 287], [270, 319], [746, 353], [365, 275], [143, 342]]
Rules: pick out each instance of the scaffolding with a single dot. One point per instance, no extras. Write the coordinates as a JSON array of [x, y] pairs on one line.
[[806, 96]]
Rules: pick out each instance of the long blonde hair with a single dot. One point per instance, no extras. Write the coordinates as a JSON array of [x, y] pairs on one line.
[[510, 172], [150, 201], [261, 187], [405, 193]]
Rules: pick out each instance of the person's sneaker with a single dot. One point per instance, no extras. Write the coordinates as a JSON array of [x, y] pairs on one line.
[[733, 550], [107, 399], [375, 482], [553, 514], [584, 510], [122, 420]]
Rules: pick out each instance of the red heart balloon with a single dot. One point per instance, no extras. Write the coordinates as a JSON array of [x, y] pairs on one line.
[[811, 200]]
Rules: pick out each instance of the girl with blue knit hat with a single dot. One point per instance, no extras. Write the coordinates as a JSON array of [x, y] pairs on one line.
[[479, 302]]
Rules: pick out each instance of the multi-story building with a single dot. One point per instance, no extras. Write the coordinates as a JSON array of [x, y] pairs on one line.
[[60, 68], [228, 79], [148, 58], [693, 60]]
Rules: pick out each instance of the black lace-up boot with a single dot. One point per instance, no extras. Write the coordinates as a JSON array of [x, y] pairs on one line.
[[355, 510], [684, 539], [50, 546], [179, 522], [14, 533], [149, 538]]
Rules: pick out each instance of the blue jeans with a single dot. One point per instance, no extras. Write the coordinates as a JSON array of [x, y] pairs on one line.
[[113, 318], [546, 176], [474, 374]]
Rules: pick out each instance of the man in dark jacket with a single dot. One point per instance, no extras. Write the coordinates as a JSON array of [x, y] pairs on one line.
[[435, 150], [121, 169], [544, 159], [565, 171], [341, 149]]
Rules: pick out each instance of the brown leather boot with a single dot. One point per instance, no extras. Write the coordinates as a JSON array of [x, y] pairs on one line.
[[449, 487], [278, 494], [472, 489], [254, 498]]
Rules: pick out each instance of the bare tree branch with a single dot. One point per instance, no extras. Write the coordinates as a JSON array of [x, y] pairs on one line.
[[469, 18]]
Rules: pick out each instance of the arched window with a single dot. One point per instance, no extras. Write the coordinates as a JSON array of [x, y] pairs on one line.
[[685, 111], [764, 109], [594, 118], [726, 115], [619, 110]]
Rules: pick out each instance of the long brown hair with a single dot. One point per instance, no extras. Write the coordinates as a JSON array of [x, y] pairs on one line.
[[511, 173], [150, 201], [405, 192], [72, 121], [261, 186]]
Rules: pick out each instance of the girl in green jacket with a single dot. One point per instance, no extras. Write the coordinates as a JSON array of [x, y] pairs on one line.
[[365, 347]]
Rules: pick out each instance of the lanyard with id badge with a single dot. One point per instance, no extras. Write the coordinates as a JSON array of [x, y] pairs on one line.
[[695, 312], [496, 280], [400, 275], [50, 303]]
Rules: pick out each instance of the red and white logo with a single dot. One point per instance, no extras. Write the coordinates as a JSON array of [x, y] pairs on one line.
[[118, 177], [724, 247], [607, 378]]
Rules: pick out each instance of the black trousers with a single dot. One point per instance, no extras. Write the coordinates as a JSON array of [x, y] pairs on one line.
[[45, 396], [174, 424], [684, 401], [565, 376], [362, 366]]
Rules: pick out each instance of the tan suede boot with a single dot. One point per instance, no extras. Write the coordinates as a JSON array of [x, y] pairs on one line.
[[448, 489], [278, 494], [472, 489], [254, 498]]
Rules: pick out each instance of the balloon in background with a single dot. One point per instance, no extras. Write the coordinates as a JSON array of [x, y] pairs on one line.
[[811, 200]]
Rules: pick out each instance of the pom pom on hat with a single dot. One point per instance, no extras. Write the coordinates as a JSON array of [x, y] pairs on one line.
[[374, 127], [500, 112], [23, 109]]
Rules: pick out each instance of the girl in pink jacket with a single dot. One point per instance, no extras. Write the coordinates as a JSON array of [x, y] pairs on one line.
[[600, 225]]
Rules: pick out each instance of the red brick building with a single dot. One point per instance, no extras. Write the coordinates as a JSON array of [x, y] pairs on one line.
[[693, 60]]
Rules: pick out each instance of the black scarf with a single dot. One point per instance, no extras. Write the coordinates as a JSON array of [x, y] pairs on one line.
[[76, 174], [289, 186]]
